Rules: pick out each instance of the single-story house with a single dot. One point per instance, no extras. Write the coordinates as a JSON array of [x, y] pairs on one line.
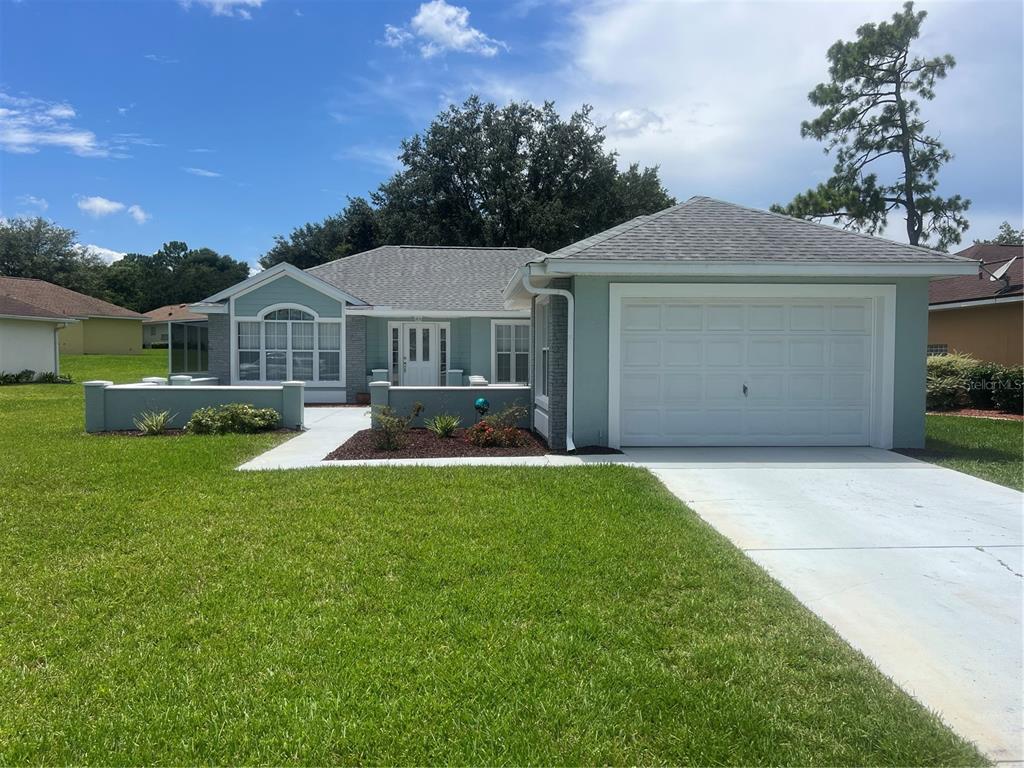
[[105, 328], [707, 323], [981, 314], [182, 332], [28, 337]]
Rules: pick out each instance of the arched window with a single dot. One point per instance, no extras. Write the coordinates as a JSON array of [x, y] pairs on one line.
[[289, 343]]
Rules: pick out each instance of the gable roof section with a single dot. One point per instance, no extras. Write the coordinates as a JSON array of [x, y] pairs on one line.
[[61, 302], [278, 270], [967, 288], [12, 308], [428, 278], [708, 230], [169, 312]]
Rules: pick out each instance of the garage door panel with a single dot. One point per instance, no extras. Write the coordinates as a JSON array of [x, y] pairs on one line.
[[807, 317], [642, 387], [767, 352], [726, 317], [642, 317], [720, 352], [683, 317], [807, 352], [641, 351], [682, 352], [850, 352], [683, 387], [766, 317], [806, 365]]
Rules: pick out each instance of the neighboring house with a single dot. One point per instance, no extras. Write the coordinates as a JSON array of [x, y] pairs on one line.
[[183, 332], [704, 324], [105, 328], [415, 315], [28, 337], [978, 315]]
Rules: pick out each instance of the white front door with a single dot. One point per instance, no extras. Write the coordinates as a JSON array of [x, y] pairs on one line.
[[727, 371], [419, 355]]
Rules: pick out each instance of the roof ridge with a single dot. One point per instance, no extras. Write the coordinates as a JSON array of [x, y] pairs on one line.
[[818, 224], [619, 229]]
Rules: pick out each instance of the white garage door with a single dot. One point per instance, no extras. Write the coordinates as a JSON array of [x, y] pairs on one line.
[[746, 371]]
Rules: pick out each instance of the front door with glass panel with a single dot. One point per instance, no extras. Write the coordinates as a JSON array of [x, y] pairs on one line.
[[419, 355]]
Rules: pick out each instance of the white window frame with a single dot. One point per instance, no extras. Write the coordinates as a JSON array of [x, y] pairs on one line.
[[494, 354], [934, 349], [542, 319], [435, 346], [261, 319]]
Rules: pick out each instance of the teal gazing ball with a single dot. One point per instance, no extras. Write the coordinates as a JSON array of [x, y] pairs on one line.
[[481, 405]]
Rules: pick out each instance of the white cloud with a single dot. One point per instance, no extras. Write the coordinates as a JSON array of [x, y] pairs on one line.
[[160, 59], [202, 172], [28, 124], [97, 206], [439, 28], [237, 8], [31, 201], [137, 213], [201, 150], [108, 255]]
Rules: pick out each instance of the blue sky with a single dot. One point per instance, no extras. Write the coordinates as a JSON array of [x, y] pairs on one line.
[[225, 122]]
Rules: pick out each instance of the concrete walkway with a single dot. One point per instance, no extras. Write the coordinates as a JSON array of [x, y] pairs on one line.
[[326, 429], [916, 566]]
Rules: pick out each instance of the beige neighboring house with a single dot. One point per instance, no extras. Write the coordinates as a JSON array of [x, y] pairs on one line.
[[979, 315], [103, 328], [156, 328]]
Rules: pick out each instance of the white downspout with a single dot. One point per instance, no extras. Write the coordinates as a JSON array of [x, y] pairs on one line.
[[570, 346]]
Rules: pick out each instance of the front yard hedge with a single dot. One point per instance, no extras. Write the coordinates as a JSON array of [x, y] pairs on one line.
[[959, 381]]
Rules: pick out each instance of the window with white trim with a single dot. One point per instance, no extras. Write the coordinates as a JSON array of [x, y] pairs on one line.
[[289, 344], [540, 376], [511, 362], [938, 349]]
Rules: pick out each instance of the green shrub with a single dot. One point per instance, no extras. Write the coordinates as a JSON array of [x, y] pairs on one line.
[[233, 417], [153, 422], [499, 429], [25, 376], [391, 428], [981, 379], [1008, 389], [444, 424], [948, 377], [49, 377]]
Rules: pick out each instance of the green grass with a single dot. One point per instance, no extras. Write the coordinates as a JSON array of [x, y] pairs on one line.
[[158, 607], [986, 448]]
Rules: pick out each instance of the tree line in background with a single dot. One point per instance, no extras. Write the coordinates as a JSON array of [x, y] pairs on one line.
[[173, 275], [484, 175]]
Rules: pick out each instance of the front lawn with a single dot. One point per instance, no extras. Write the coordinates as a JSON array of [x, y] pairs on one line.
[[157, 606], [991, 449]]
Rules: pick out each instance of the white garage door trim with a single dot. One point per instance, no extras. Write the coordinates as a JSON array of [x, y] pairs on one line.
[[883, 336]]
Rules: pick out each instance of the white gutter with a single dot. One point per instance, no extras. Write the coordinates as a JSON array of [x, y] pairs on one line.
[[570, 347], [752, 269], [976, 303]]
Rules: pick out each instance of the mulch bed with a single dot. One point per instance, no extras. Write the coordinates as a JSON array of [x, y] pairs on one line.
[[423, 444], [980, 413]]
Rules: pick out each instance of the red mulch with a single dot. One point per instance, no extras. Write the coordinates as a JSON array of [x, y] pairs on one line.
[[424, 444], [981, 413]]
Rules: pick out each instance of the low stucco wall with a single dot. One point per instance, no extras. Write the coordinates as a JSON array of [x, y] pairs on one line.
[[455, 400], [109, 407], [993, 332]]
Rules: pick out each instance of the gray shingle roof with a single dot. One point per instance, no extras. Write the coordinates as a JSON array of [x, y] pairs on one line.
[[704, 229], [428, 278]]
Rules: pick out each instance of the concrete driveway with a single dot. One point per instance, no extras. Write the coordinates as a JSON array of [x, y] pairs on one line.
[[917, 566]]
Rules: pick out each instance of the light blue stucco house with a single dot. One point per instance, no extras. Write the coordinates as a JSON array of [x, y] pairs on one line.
[[707, 323]]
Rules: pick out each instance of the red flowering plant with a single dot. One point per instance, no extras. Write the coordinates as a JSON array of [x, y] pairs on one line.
[[499, 429]]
